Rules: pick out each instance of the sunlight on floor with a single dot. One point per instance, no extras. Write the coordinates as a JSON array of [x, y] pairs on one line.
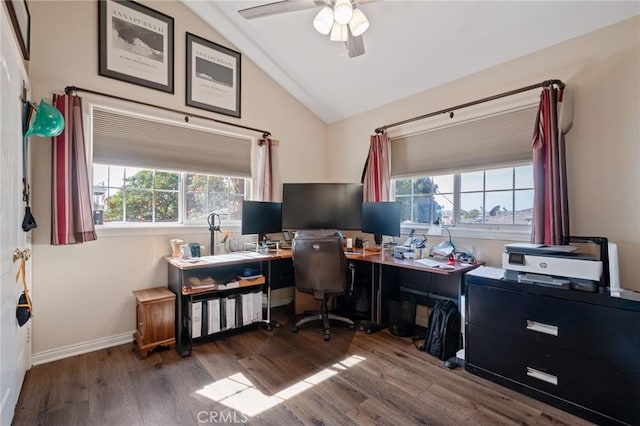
[[238, 393]]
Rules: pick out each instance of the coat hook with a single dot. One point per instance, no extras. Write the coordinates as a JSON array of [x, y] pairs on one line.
[[24, 92], [21, 254]]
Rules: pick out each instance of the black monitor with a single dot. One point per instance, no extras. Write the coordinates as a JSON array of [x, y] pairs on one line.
[[322, 206], [261, 217], [382, 218]]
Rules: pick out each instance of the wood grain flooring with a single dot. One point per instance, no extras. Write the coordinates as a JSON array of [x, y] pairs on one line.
[[259, 377]]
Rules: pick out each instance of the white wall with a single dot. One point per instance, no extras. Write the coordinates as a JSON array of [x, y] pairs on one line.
[[83, 293], [602, 69]]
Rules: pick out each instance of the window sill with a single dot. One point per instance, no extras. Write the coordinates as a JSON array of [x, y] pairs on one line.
[[518, 235], [143, 230]]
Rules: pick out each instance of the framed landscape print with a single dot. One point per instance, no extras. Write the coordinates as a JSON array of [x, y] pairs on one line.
[[136, 44], [213, 76], [21, 21]]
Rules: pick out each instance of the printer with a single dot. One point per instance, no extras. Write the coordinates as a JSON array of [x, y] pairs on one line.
[[559, 266]]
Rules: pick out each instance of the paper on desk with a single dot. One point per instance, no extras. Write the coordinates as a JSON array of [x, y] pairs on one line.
[[429, 262], [241, 255], [487, 272]]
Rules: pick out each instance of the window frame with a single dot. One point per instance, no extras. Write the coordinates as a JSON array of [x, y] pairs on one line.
[[517, 232], [182, 200]]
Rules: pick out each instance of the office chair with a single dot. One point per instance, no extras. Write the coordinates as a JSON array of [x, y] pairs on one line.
[[320, 268]]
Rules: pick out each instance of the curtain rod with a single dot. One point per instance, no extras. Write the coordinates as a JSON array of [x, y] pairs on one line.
[[450, 110], [70, 89]]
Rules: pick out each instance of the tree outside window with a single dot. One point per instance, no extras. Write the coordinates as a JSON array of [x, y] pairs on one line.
[[137, 195]]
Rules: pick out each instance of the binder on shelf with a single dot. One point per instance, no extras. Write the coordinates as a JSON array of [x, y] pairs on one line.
[[230, 312], [257, 306], [247, 308], [238, 299], [213, 311], [196, 319]]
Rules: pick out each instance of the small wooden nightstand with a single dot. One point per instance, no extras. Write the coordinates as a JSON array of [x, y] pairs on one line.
[[155, 319]]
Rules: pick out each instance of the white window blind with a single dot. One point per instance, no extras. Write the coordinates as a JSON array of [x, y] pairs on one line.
[[494, 140], [132, 141]]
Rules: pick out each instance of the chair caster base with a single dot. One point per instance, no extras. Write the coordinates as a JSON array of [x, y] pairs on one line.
[[295, 329], [327, 337], [352, 327]]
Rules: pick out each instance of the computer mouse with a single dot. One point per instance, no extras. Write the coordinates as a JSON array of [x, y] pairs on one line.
[[451, 363]]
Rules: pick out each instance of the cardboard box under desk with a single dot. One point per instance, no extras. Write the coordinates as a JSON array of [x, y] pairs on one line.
[[306, 302]]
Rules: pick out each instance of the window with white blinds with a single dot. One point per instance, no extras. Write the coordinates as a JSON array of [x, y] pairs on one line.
[[472, 173], [147, 171], [132, 141], [498, 139]]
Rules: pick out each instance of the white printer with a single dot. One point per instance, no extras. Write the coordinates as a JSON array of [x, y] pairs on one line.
[[553, 266]]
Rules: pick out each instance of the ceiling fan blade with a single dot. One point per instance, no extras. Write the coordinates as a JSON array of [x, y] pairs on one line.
[[278, 7], [355, 45]]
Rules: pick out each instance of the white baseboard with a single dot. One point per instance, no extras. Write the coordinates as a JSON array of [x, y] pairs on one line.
[[279, 297], [81, 348]]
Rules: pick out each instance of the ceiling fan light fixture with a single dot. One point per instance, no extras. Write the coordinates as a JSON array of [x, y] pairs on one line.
[[359, 23], [339, 32], [324, 20], [342, 11]]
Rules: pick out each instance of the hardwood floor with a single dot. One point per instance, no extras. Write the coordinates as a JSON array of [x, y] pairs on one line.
[[273, 378]]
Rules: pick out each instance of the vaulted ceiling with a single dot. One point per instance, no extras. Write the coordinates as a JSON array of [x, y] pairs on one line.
[[410, 46]]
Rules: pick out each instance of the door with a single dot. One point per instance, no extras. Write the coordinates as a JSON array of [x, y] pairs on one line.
[[15, 350]]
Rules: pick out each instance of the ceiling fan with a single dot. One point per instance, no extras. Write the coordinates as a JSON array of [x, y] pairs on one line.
[[339, 18]]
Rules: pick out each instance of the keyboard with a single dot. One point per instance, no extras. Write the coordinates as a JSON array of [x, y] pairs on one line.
[[429, 262]]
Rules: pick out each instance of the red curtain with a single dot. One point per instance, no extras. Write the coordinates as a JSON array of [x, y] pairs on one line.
[[71, 215], [550, 201], [376, 175], [265, 169]]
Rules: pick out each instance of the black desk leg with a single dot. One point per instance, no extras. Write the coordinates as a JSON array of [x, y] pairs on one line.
[[375, 324], [269, 324]]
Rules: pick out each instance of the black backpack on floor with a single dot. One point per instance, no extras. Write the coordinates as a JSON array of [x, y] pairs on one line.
[[443, 335]]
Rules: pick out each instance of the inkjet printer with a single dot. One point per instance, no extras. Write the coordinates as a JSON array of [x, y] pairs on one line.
[[561, 266]]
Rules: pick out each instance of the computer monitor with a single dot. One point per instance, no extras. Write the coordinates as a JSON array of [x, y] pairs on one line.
[[261, 217], [322, 206], [381, 218]]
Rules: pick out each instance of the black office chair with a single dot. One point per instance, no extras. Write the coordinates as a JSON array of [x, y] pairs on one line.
[[320, 268]]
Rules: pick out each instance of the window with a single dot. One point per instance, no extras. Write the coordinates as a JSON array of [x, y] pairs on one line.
[[154, 171], [423, 199], [137, 195], [492, 197], [220, 194]]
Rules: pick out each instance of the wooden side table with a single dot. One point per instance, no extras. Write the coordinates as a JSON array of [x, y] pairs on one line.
[[155, 319]]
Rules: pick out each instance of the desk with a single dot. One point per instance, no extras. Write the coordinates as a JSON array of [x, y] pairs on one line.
[[181, 270], [395, 266]]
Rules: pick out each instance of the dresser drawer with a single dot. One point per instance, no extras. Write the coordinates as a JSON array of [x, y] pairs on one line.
[[586, 382], [592, 330]]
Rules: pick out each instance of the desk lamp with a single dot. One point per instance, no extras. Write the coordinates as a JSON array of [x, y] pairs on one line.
[[443, 248], [213, 228]]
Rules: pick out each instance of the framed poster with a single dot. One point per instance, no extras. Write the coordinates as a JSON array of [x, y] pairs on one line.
[[213, 76], [21, 21], [135, 44]]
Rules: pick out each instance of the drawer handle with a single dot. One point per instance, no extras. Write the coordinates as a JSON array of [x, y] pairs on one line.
[[541, 327], [540, 375]]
